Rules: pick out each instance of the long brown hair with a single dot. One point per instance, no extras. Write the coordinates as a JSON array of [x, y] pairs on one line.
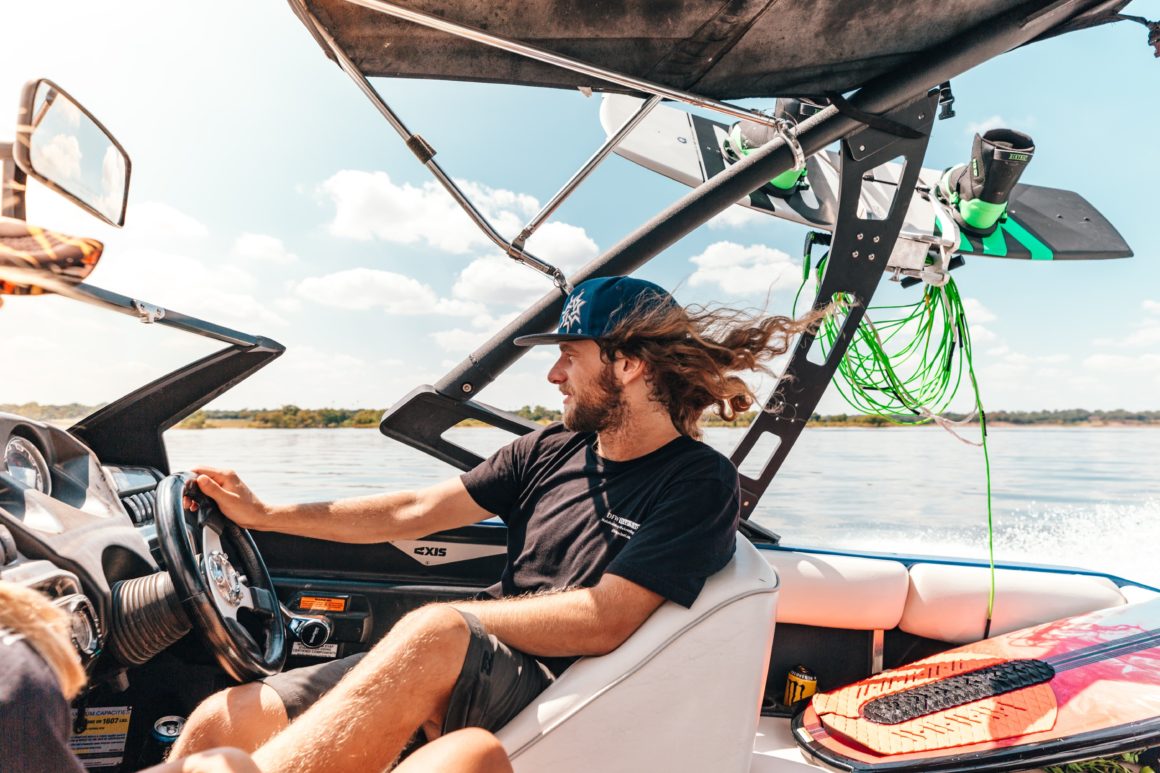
[[692, 354], [46, 628]]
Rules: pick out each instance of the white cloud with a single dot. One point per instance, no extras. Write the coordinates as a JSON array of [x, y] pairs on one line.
[[1146, 335], [111, 197], [288, 305], [369, 205], [365, 288], [1152, 307], [982, 335], [221, 294], [154, 221], [735, 217], [1125, 364], [565, 246], [263, 248], [977, 312], [741, 270], [985, 125], [58, 158], [1019, 359], [499, 279], [461, 340]]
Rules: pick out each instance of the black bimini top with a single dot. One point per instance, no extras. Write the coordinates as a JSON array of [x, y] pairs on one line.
[[723, 49]]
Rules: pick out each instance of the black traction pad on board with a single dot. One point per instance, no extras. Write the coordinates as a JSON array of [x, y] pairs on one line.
[[957, 690]]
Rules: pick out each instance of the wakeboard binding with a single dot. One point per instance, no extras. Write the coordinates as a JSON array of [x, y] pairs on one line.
[[977, 192], [746, 136]]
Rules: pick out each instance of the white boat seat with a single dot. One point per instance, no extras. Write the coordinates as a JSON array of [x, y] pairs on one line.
[[949, 603], [682, 695], [835, 591]]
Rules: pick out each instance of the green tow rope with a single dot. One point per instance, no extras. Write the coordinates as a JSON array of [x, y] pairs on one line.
[[906, 368]]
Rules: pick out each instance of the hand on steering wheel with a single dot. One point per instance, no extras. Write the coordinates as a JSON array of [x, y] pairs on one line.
[[219, 574]]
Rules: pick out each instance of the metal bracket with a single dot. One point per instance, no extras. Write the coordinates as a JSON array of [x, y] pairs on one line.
[[13, 184], [147, 312], [857, 260], [911, 256], [426, 155], [583, 172]]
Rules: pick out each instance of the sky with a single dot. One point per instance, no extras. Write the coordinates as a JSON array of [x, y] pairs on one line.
[[268, 195]]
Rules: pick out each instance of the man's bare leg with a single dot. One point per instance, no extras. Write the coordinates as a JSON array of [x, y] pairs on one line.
[[244, 717], [470, 750], [363, 723]]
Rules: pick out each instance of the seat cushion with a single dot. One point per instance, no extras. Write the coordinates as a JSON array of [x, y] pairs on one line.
[[949, 603], [838, 591]]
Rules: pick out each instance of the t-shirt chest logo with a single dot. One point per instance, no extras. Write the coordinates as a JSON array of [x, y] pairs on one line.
[[621, 527]]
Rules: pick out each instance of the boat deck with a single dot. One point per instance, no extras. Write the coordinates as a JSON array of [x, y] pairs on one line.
[[774, 750]]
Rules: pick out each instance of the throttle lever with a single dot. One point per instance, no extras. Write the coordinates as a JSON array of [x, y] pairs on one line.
[[312, 630]]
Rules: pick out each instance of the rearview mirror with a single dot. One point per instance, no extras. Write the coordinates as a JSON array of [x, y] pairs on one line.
[[61, 144]]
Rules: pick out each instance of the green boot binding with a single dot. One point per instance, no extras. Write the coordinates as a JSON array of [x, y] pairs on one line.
[[746, 136], [978, 192]]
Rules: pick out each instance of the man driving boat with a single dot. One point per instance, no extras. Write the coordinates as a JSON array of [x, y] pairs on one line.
[[609, 514]]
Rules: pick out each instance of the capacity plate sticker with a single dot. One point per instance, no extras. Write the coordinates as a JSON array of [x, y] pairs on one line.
[[102, 745], [325, 651]]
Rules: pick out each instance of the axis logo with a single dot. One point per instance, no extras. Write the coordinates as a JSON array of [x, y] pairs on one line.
[[430, 552]]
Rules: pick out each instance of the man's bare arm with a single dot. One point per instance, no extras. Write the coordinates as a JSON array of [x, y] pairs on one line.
[[377, 518], [583, 621]]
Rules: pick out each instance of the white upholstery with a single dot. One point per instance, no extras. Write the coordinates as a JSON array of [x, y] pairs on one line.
[[838, 591], [949, 603], [682, 695], [1134, 594]]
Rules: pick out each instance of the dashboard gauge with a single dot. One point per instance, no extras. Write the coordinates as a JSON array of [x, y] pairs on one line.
[[25, 463]]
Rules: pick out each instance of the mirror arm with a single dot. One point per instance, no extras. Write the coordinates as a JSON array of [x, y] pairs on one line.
[[13, 184]]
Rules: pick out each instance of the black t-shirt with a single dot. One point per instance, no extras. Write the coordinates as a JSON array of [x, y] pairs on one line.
[[34, 716], [665, 520]]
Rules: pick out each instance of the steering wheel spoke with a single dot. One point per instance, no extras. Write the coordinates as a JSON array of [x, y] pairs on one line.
[[264, 602], [217, 570], [227, 586]]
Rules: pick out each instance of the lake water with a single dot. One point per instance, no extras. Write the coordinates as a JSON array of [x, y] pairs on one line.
[[1085, 497]]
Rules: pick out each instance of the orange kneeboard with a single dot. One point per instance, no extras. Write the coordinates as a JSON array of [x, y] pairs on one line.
[[1074, 688]]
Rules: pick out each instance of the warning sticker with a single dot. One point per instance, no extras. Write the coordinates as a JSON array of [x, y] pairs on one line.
[[102, 745], [324, 651], [322, 603]]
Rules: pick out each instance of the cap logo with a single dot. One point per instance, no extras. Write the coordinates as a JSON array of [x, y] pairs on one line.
[[571, 314]]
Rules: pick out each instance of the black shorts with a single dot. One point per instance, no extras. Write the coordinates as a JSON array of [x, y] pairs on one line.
[[495, 683]]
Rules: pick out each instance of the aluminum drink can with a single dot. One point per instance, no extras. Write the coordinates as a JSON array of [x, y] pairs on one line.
[[800, 684]]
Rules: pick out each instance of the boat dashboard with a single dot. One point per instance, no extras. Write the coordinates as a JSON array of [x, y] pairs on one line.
[[71, 526]]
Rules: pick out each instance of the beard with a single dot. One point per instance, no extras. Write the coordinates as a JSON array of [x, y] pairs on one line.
[[598, 409]]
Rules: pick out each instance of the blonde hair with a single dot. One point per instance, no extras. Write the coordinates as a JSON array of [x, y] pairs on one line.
[[46, 628]]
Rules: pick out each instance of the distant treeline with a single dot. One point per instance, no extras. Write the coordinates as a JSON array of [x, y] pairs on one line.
[[1064, 418], [286, 417], [294, 417], [49, 412]]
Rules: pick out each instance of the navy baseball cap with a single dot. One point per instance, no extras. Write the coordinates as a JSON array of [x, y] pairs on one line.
[[597, 306]]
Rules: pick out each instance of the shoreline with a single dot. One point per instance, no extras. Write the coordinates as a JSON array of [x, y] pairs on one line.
[[211, 425]]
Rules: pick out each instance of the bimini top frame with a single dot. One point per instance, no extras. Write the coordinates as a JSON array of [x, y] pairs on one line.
[[906, 97]]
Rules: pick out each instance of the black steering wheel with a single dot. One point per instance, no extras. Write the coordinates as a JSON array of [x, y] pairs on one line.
[[222, 581]]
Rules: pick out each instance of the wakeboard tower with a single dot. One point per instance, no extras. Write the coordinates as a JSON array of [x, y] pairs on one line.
[[877, 84]]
